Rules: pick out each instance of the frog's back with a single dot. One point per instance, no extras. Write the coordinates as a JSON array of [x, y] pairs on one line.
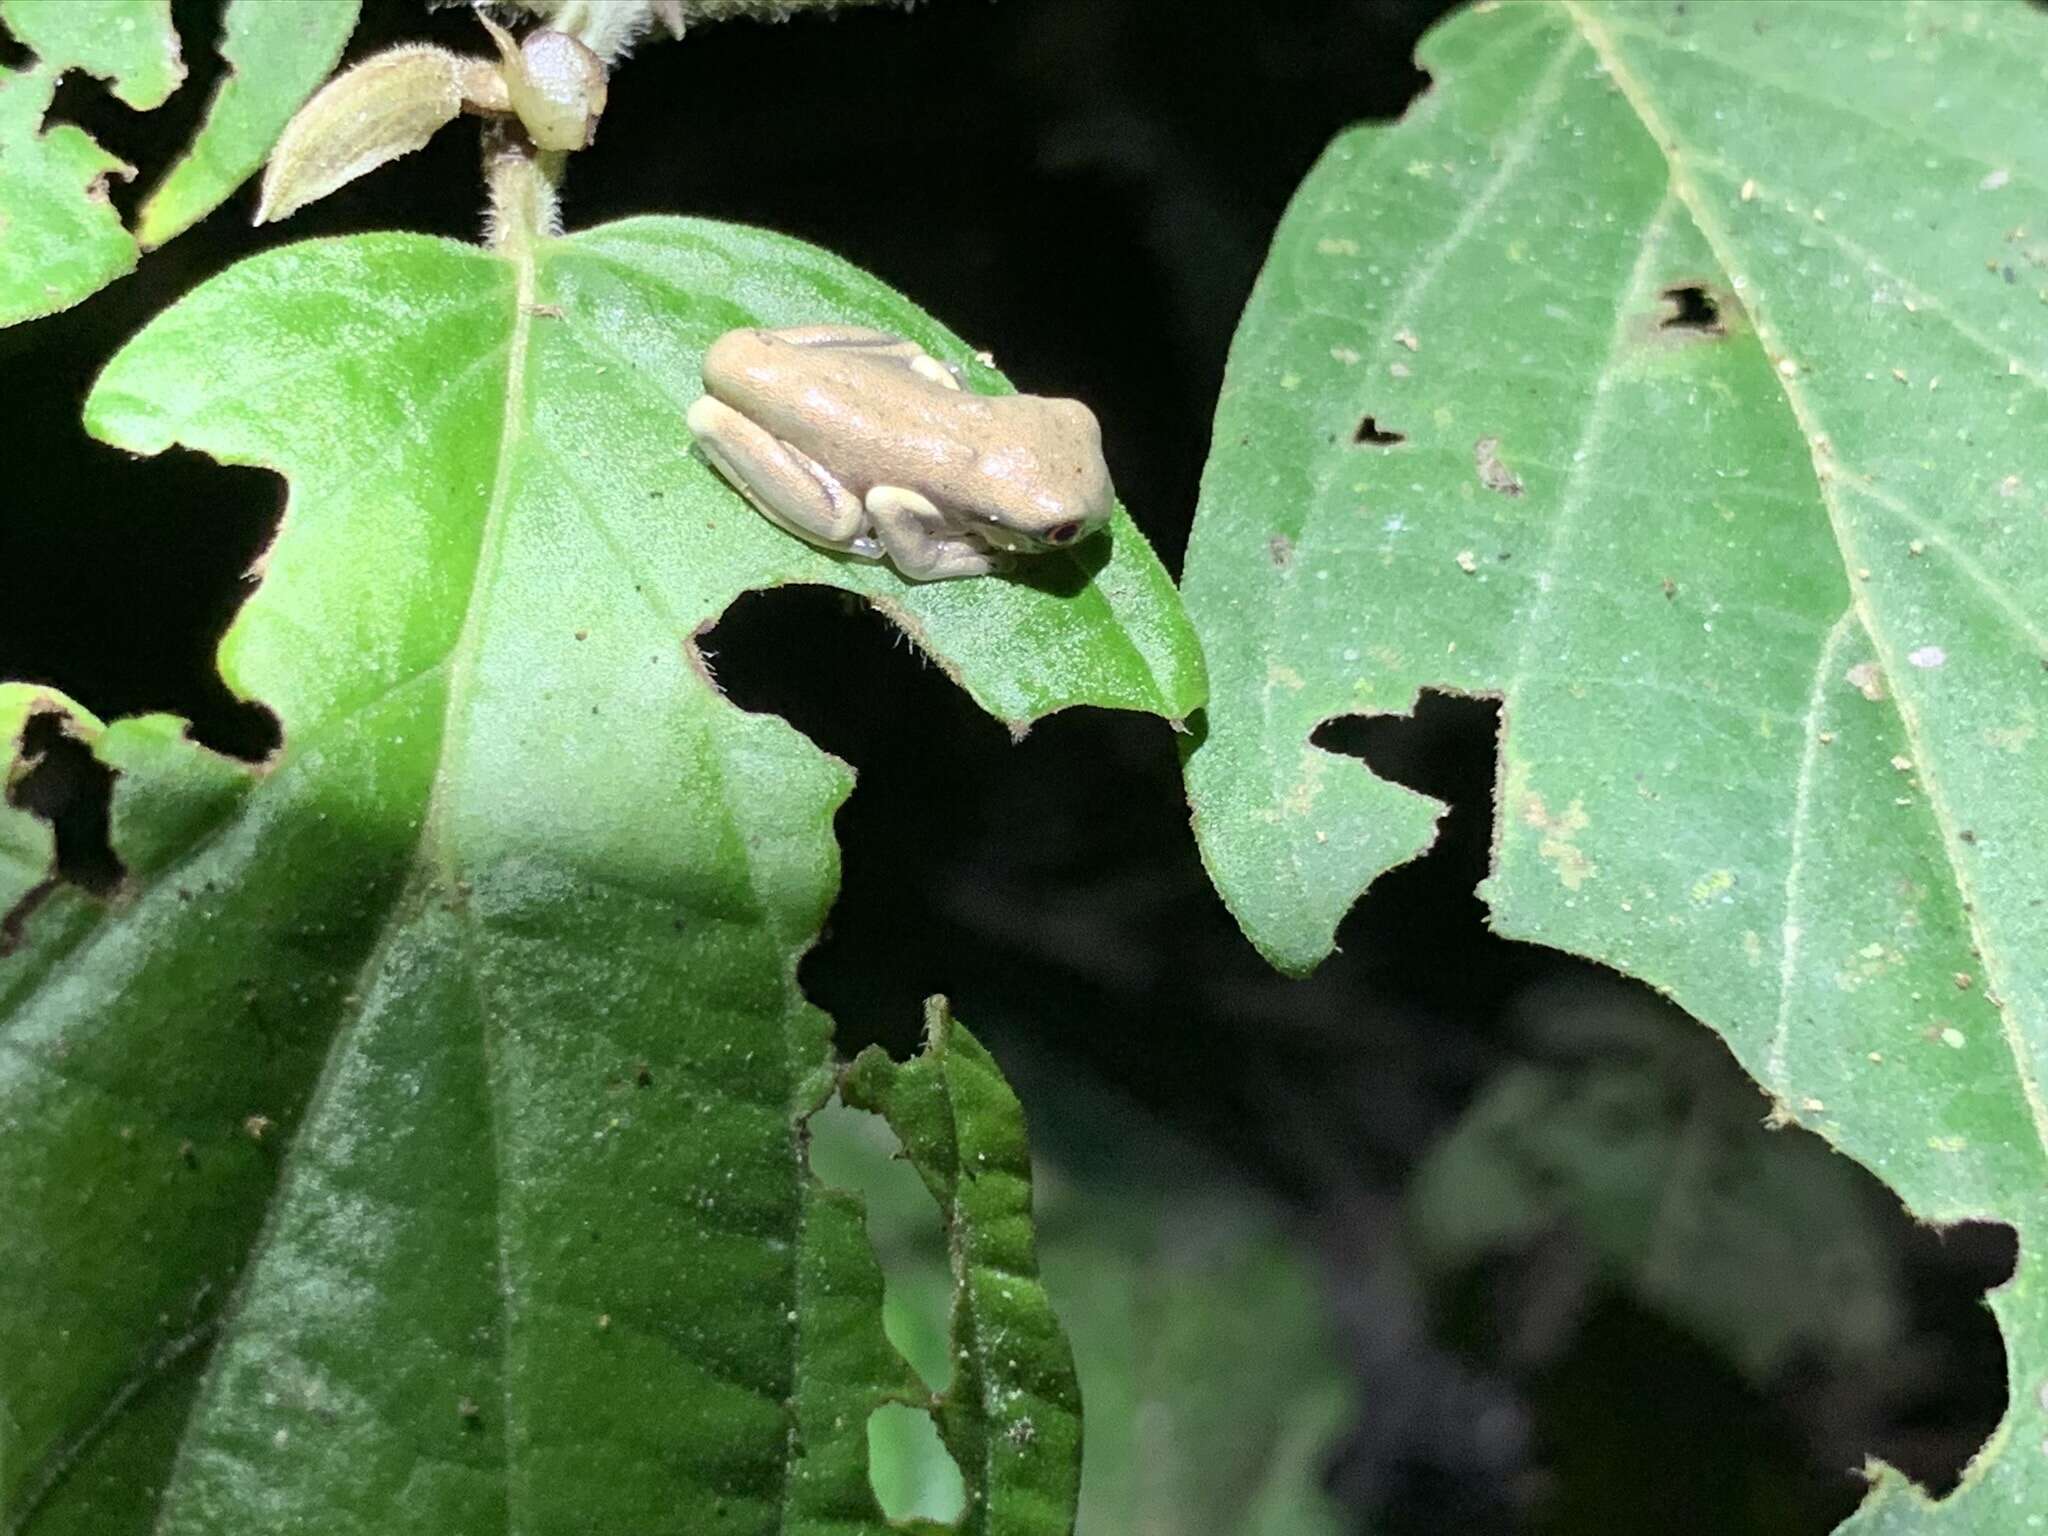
[[866, 416]]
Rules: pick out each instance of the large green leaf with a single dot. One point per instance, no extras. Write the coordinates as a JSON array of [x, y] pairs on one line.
[[417, 1139], [1679, 376], [60, 239]]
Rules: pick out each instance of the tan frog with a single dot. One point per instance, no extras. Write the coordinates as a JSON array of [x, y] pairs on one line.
[[860, 441]]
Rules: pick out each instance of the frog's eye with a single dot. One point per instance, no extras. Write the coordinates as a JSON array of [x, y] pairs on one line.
[[1063, 534]]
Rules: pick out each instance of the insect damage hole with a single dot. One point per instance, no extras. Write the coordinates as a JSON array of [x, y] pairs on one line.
[[856, 1151], [913, 1475], [1370, 431], [1692, 309], [67, 787]]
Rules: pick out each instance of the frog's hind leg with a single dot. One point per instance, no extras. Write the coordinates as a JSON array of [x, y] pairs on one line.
[[875, 344], [904, 522], [786, 486]]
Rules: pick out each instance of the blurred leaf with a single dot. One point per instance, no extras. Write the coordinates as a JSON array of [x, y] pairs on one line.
[[276, 55], [1214, 1389], [60, 238], [417, 1138], [1678, 375], [1635, 1133]]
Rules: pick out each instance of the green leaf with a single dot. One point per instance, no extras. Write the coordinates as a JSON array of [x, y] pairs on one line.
[[130, 44], [1012, 1415], [60, 239], [1762, 598], [1214, 1391], [276, 56], [417, 1139]]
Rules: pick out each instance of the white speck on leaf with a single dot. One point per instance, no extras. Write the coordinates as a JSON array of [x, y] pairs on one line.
[[1928, 657]]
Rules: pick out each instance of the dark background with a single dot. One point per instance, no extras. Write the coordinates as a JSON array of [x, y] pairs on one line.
[[1085, 187]]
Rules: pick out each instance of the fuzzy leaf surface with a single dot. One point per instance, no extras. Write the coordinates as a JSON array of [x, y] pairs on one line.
[[1679, 376], [418, 1138]]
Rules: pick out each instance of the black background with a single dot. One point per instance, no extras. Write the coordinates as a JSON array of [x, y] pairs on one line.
[[1085, 187]]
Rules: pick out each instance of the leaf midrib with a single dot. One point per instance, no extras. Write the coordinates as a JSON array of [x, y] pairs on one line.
[[436, 843]]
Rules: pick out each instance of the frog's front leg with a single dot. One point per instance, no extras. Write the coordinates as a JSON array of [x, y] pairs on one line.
[[909, 527], [788, 487]]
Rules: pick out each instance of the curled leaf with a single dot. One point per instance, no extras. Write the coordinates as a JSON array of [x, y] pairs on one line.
[[383, 108]]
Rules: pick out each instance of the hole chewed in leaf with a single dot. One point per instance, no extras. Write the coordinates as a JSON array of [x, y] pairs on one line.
[[1370, 431], [914, 1476], [1494, 472], [1693, 308], [63, 784], [855, 1150], [117, 524], [72, 790]]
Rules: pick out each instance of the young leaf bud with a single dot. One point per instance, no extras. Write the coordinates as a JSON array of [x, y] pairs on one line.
[[387, 106]]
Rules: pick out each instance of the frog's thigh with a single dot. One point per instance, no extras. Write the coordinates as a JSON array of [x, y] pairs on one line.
[[903, 521], [788, 487], [873, 344]]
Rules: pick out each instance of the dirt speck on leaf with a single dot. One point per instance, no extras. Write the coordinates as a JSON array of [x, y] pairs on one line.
[[1494, 473], [1867, 678]]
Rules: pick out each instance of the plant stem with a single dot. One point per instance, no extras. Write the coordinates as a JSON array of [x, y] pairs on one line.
[[523, 181]]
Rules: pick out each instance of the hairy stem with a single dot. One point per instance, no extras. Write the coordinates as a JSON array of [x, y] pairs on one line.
[[524, 185]]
